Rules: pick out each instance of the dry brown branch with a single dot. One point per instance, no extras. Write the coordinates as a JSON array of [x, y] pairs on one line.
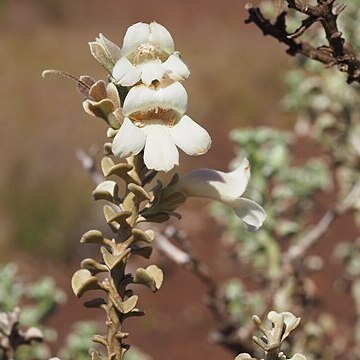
[[171, 251], [335, 53]]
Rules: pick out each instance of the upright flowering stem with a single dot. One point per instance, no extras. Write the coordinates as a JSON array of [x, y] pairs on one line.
[[122, 216], [144, 104]]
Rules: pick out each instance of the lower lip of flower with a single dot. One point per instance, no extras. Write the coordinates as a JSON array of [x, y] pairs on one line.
[[156, 115]]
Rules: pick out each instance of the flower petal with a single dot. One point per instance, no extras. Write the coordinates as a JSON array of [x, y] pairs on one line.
[[167, 96], [243, 172], [244, 356], [161, 153], [125, 73], [136, 35], [129, 140], [113, 95], [190, 137], [298, 357], [216, 185], [160, 37], [178, 70], [152, 70], [251, 213]]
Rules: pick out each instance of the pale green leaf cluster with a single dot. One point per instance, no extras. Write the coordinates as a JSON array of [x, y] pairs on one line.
[[284, 188], [40, 297], [274, 332], [36, 301]]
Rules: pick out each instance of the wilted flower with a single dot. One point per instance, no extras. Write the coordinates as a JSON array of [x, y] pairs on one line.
[[226, 188], [155, 121], [147, 55]]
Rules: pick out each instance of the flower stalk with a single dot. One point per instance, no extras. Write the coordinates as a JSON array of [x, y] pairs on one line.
[[144, 105], [119, 302]]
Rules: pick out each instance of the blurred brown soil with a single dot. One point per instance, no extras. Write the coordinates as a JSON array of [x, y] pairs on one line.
[[235, 81]]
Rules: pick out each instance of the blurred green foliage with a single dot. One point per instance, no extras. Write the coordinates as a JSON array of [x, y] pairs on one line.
[[78, 342], [289, 184], [36, 300], [241, 303], [44, 216]]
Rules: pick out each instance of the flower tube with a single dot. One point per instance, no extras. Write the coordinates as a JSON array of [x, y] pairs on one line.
[[227, 188]]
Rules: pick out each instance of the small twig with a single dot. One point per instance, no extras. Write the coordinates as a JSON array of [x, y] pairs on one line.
[[89, 164], [306, 24], [277, 31], [171, 251], [297, 252], [200, 269], [187, 258]]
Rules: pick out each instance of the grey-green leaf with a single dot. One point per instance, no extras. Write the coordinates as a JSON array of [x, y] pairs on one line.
[[83, 281]]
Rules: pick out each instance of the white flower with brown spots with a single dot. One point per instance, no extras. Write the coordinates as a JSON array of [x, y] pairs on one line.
[[155, 120]]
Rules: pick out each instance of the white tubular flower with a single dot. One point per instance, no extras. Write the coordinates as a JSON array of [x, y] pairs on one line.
[[155, 121], [226, 188], [147, 55]]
